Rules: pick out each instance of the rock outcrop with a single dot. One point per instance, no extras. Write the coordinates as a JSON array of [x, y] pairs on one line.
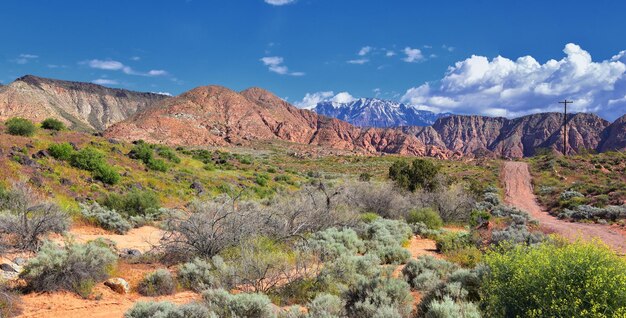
[[614, 136], [82, 106]]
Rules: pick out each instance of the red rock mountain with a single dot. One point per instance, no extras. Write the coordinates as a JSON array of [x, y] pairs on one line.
[[82, 106], [215, 115]]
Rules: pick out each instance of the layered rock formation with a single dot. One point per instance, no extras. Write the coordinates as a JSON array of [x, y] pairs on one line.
[[82, 106]]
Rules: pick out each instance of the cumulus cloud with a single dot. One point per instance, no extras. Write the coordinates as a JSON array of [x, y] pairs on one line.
[[311, 100], [279, 2], [105, 81], [276, 64], [511, 88], [111, 65], [413, 55], [390, 53]]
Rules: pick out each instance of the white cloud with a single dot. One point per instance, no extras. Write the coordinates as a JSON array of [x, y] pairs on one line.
[[358, 61], [413, 55], [105, 81], [163, 93], [505, 87], [111, 65], [390, 53], [343, 97], [365, 50], [275, 64], [279, 2], [135, 58], [25, 58], [311, 100], [449, 48]]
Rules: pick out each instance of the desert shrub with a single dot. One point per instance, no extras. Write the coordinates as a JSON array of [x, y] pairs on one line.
[[62, 151], [87, 159], [133, 203], [10, 304], [554, 280], [105, 218], [587, 212], [197, 275], [25, 219], [492, 197], [448, 308], [157, 283], [261, 179], [420, 174], [426, 216], [369, 217], [518, 234], [461, 287], [468, 256], [326, 306], [168, 154], [145, 153], [368, 297], [426, 272], [20, 127], [332, 243], [569, 194], [453, 241], [379, 198], [385, 238], [240, 305], [365, 177], [168, 310], [507, 211], [74, 267], [478, 217], [423, 230], [453, 203], [337, 275], [106, 174], [92, 160], [53, 124]]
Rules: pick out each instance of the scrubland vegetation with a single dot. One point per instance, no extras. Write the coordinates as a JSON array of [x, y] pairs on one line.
[[587, 188], [260, 235]]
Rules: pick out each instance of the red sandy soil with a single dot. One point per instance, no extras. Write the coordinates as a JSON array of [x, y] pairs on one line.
[[104, 302], [519, 193]]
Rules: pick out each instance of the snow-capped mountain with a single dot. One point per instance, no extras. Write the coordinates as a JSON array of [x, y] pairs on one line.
[[373, 112]]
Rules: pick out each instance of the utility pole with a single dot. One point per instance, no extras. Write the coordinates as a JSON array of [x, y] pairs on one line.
[[565, 102]]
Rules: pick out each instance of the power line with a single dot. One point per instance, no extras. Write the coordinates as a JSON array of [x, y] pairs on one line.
[[565, 102]]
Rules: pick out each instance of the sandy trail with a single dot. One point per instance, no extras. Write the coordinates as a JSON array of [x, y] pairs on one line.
[[519, 193]]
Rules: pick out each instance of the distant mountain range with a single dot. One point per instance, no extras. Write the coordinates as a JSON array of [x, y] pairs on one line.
[[374, 112], [215, 115]]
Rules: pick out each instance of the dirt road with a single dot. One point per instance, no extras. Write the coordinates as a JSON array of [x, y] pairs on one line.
[[519, 193]]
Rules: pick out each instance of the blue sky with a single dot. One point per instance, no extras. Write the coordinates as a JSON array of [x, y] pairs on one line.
[[418, 52]]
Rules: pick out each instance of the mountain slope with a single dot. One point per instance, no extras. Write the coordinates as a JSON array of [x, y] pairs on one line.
[[373, 112], [614, 137], [215, 115], [82, 106]]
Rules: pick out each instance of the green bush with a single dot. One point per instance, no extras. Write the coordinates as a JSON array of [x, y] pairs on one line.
[[421, 173], [106, 174], [20, 127], [88, 159], [63, 151], [326, 306], [468, 256], [426, 272], [105, 218], [453, 241], [382, 293], [75, 267], [168, 310], [157, 165], [385, 238], [157, 283], [448, 308], [133, 203], [226, 305], [53, 124], [145, 152], [168, 154], [332, 243], [197, 275], [345, 271], [427, 216], [555, 280]]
